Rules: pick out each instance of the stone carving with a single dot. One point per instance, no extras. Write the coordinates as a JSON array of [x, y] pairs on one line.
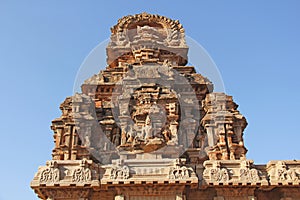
[[224, 126], [174, 26], [145, 115], [248, 174], [147, 38], [233, 172], [151, 122], [284, 174], [67, 193], [179, 173], [66, 135], [179, 170], [219, 174], [148, 122], [50, 174], [119, 172], [82, 173]]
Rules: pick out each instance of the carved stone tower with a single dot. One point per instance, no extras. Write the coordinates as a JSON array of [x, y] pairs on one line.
[[150, 127]]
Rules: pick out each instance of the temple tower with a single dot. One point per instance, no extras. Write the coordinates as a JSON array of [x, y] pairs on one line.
[[150, 127]]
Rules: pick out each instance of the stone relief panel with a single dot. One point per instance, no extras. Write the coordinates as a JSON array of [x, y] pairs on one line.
[[179, 170], [82, 173], [179, 173], [284, 172], [66, 173], [234, 172], [50, 174], [218, 174], [118, 172], [248, 174]]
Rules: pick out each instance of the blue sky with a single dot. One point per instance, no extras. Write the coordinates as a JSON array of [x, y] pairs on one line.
[[255, 45]]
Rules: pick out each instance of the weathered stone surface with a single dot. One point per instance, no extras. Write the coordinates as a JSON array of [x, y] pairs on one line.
[[228, 172], [150, 127], [285, 172]]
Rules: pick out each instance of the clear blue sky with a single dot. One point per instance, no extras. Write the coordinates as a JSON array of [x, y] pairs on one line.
[[255, 45]]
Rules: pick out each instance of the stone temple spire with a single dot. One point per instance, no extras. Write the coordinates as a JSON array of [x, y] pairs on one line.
[[150, 127], [170, 104]]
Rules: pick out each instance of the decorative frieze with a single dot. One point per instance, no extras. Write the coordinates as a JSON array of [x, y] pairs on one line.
[[284, 172], [66, 193], [232, 172], [66, 173]]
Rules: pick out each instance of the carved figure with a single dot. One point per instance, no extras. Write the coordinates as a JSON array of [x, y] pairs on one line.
[[82, 173], [50, 174], [248, 174], [218, 174], [285, 174], [118, 172]]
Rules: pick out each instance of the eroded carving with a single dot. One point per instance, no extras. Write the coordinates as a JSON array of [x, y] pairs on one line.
[[218, 173], [67, 193], [285, 174], [82, 173], [248, 174], [179, 170], [51, 173], [119, 172]]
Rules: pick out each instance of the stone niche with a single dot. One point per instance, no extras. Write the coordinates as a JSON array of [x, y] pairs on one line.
[[150, 127]]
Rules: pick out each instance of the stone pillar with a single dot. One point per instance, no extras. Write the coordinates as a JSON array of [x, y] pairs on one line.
[[210, 135]]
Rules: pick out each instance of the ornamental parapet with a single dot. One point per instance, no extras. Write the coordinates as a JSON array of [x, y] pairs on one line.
[[284, 172], [233, 172], [149, 171], [67, 173]]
